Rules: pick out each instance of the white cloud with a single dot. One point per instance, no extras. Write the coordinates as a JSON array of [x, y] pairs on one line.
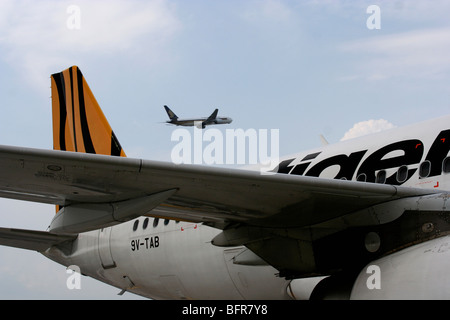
[[35, 37], [367, 127], [414, 54], [275, 10], [268, 11], [118, 25]]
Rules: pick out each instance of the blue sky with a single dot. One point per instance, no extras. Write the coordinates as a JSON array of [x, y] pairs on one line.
[[303, 67]]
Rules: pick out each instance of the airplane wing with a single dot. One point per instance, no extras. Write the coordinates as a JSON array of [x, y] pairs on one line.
[[251, 207], [64, 178]]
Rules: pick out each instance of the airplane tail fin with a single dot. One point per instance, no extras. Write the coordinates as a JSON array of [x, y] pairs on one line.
[[170, 113], [79, 124], [213, 115]]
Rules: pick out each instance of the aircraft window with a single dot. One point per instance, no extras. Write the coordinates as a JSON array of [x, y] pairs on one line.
[[166, 222], [155, 222], [425, 169], [446, 165], [135, 225], [402, 174], [362, 177], [381, 177], [145, 223]]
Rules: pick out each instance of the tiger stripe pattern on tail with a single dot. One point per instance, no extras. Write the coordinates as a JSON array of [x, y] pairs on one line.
[[79, 124]]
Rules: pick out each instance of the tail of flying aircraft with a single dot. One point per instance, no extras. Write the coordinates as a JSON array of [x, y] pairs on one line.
[[79, 124], [213, 116], [170, 113]]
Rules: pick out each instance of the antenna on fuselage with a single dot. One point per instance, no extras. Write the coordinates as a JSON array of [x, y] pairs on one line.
[[323, 140]]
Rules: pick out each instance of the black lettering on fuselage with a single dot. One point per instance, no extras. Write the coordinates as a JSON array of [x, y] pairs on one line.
[[347, 164], [146, 243], [394, 155], [299, 169], [284, 167], [438, 152], [412, 153]]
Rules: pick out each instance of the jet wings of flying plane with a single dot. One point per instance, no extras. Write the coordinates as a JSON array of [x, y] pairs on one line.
[[199, 122], [364, 219]]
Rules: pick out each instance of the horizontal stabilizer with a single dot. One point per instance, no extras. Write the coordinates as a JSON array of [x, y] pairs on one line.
[[31, 239]]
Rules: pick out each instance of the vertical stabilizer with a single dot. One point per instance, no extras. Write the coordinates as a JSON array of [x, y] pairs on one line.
[[79, 124], [171, 114]]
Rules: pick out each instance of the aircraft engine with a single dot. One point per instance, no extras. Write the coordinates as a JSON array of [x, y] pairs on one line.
[[417, 272], [335, 287]]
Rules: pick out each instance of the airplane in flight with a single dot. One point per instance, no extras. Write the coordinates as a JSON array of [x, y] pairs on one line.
[[366, 218], [201, 123]]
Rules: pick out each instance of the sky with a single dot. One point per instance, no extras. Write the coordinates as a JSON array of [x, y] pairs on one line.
[[307, 68]]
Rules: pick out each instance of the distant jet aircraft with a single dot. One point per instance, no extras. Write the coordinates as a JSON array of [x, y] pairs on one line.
[[200, 122]]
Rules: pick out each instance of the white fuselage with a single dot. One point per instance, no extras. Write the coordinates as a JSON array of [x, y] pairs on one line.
[[198, 122], [173, 260], [176, 260]]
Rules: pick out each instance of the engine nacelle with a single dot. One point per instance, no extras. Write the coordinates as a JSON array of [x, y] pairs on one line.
[[301, 289], [335, 287], [417, 272]]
